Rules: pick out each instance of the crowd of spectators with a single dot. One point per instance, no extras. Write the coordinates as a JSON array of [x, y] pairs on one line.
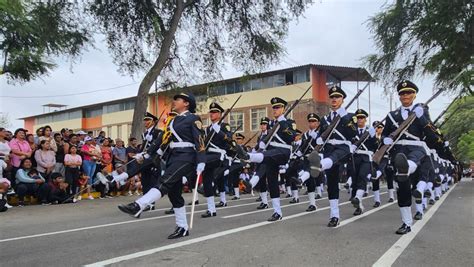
[[58, 167]]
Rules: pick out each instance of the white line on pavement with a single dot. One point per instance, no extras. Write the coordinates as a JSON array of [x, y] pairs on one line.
[[392, 254], [202, 238], [111, 224]]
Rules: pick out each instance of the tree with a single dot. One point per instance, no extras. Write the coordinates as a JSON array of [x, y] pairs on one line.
[[459, 122], [31, 32], [465, 147], [4, 120], [177, 40], [423, 37]]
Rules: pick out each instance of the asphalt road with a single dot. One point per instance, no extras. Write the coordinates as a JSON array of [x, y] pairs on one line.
[[95, 232]]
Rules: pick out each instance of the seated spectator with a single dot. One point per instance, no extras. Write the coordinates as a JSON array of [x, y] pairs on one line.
[[106, 151], [59, 166], [120, 152], [121, 186], [20, 151], [73, 163], [82, 183], [45, 159], [59, 193], [47, 134], [135, 185], [31, 141], [4, 187], [30, 185]]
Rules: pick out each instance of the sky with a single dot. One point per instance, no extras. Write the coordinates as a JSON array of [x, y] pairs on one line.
[[330, 33]]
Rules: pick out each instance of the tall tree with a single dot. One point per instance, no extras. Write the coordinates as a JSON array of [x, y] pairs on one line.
[[31, 32], [423, 37], [459, 121], [177, 40]]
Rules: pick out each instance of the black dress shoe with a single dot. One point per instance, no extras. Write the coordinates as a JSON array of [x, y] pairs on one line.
[[170, 211], [314, 164], [317, 196], [311, 208], [221, 204], [431, 202], [179, 232], [275, 217], [357, 212], [418, 216], [355, 202], [404, 229], [287, 196], [377, 204], [241, 153], [427, 194], [235, 198], [436, 198], [262, 206], [132, 209], [390, 200], [333, 222], [208, 214], [258, 199], [401, 165], [149, 207], [195, 203], [417, 195], [201, 190], [295, 200]]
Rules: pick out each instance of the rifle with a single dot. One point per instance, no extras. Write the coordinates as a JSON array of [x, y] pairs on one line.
[[209, 137], [335, 122], [397, 134], [365, 135], [276, 127]]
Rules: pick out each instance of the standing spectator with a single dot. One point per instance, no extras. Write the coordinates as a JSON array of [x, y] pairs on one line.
[[59, 167], [45, 158], [4, 153], [89, 156], [39, 133], [65, 134], [90, 133], [73, 163], [101, 137], [47, 135], [132, 148], [34, 146], [120, 152], [20, 151], [106, 151], [9, 136], [28, 183], [73, 141]]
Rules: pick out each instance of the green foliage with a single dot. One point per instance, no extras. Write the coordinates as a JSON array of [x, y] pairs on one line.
[[31, 32], [465, 147], [459, 122], [423, 37]]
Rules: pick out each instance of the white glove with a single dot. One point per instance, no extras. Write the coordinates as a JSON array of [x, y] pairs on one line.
[[353, 148], [216, 127], [372, 131], [282, 171], [446, 144], [387, 141], [262, 145], [200, 167], [313, 134], [299, 154], [419, 111], [184, 180], [149, 137], [160, 152], [319, 141], [141, 156]]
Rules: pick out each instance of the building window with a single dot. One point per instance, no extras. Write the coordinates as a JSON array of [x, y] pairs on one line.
[[278, 80], [301, 76], [236, 119], [91, 113], [109, 131], [256, 84], [256, 114], [119, 131], [130, 104]]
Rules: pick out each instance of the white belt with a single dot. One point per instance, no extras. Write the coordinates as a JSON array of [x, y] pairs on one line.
[[365, 152], [181, 144], [276, 144], [405, 142], [339, 142], [217, 150]]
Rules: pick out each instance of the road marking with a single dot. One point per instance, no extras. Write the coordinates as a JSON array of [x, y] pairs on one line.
[[203, 238], [367, 213], [114, 224], [392, 254]]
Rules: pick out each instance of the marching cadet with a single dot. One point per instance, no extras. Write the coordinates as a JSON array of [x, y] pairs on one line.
[[376, 180], [408, 151], [362, 169], [236, 168], [275, 153], [215, 155], [336, 150], [308, 143], [183, 143], [149, 175], [289, 172], [262, 183]]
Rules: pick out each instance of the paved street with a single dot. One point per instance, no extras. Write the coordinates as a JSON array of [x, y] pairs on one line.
[[96, 233]]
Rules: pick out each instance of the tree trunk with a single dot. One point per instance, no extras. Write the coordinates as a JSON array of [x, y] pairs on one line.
[[141, 102]]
